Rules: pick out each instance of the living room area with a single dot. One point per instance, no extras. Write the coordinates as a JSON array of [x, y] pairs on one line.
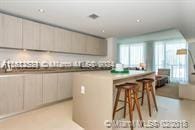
[[167, 53]]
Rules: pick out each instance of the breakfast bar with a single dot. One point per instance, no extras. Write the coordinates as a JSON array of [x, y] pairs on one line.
[[94, 94]]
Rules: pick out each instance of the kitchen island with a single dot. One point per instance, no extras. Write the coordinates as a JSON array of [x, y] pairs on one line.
[[94, 94]]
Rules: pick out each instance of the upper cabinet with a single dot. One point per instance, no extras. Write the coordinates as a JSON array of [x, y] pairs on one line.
[[68, 41], [11, 31], [103, 47], [1, 30], [46, 37], [79, 43], [59, 42], [62, 40], [25, 34], [92, 45], [96, 46], [31, 35]]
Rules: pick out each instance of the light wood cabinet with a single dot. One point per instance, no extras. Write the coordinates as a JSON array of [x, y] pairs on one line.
[[68, 41], [11, 31], [59, 43], [92, 45], [20, 33], [1, 30], [50, 88], [33, 91], [62, 40], [79, 43], [31, 35], [96, 46], [64, 85], [11, 94], [103, 47], [46, 37]]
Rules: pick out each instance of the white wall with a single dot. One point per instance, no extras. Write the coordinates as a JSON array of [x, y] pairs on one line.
[[155, 36], [112, 49], [191, 46]]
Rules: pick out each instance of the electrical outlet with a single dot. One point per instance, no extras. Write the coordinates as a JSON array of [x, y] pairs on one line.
[[82, 89]]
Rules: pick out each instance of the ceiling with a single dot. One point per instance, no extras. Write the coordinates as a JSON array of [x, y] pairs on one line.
[[118, 18], [150, 37]]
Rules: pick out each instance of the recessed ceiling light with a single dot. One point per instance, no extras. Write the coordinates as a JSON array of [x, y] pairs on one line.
[[138, 20], [41, 10], [103, 31]]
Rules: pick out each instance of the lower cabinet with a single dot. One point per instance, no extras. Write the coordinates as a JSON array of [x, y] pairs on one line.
[[64, 85], [50, 88], [33, 91], [11, 94], [24, 92]]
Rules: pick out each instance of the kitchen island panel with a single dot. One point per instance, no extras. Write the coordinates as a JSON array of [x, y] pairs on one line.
[[92, 109], [95, 106]]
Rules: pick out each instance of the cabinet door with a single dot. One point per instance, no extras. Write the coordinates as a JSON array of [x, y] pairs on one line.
[[46, 37], [30, 35], [50, 88], [68, 41], [59, 43], [92, 45], [11, 94], [64, 85], [1, 30], [33, 95], [12, 32], [79, 43], [103, 47], [62, 40]]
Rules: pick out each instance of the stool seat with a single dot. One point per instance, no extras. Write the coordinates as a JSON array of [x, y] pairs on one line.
[[145, 80], [127, 85]]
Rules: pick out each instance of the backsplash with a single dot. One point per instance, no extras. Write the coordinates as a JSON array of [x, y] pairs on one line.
[[17, 55], [26, 56]]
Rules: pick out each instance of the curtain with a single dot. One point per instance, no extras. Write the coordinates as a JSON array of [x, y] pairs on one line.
[[165, 57], [132, 54]]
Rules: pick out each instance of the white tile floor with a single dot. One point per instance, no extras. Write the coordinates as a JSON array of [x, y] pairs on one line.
[[55, 117], [59, 116], [169, 109]]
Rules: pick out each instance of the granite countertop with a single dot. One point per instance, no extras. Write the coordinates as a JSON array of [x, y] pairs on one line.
[[53, 70], [117, 76]]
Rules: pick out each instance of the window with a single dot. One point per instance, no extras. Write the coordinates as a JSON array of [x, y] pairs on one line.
[[165, 57], [132, 54]]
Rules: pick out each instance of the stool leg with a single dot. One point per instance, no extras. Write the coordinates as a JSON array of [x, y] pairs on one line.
[[130, 108], [148, 96], [134, 105], [116, 102], [125, 103], [154, 98], [137, 105], [143, 89]]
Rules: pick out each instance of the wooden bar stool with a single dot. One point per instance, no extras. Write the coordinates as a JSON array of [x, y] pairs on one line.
[[148, 87], [130, 92]]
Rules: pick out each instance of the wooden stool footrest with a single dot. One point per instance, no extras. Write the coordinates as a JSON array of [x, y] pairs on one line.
[[120, 108]]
